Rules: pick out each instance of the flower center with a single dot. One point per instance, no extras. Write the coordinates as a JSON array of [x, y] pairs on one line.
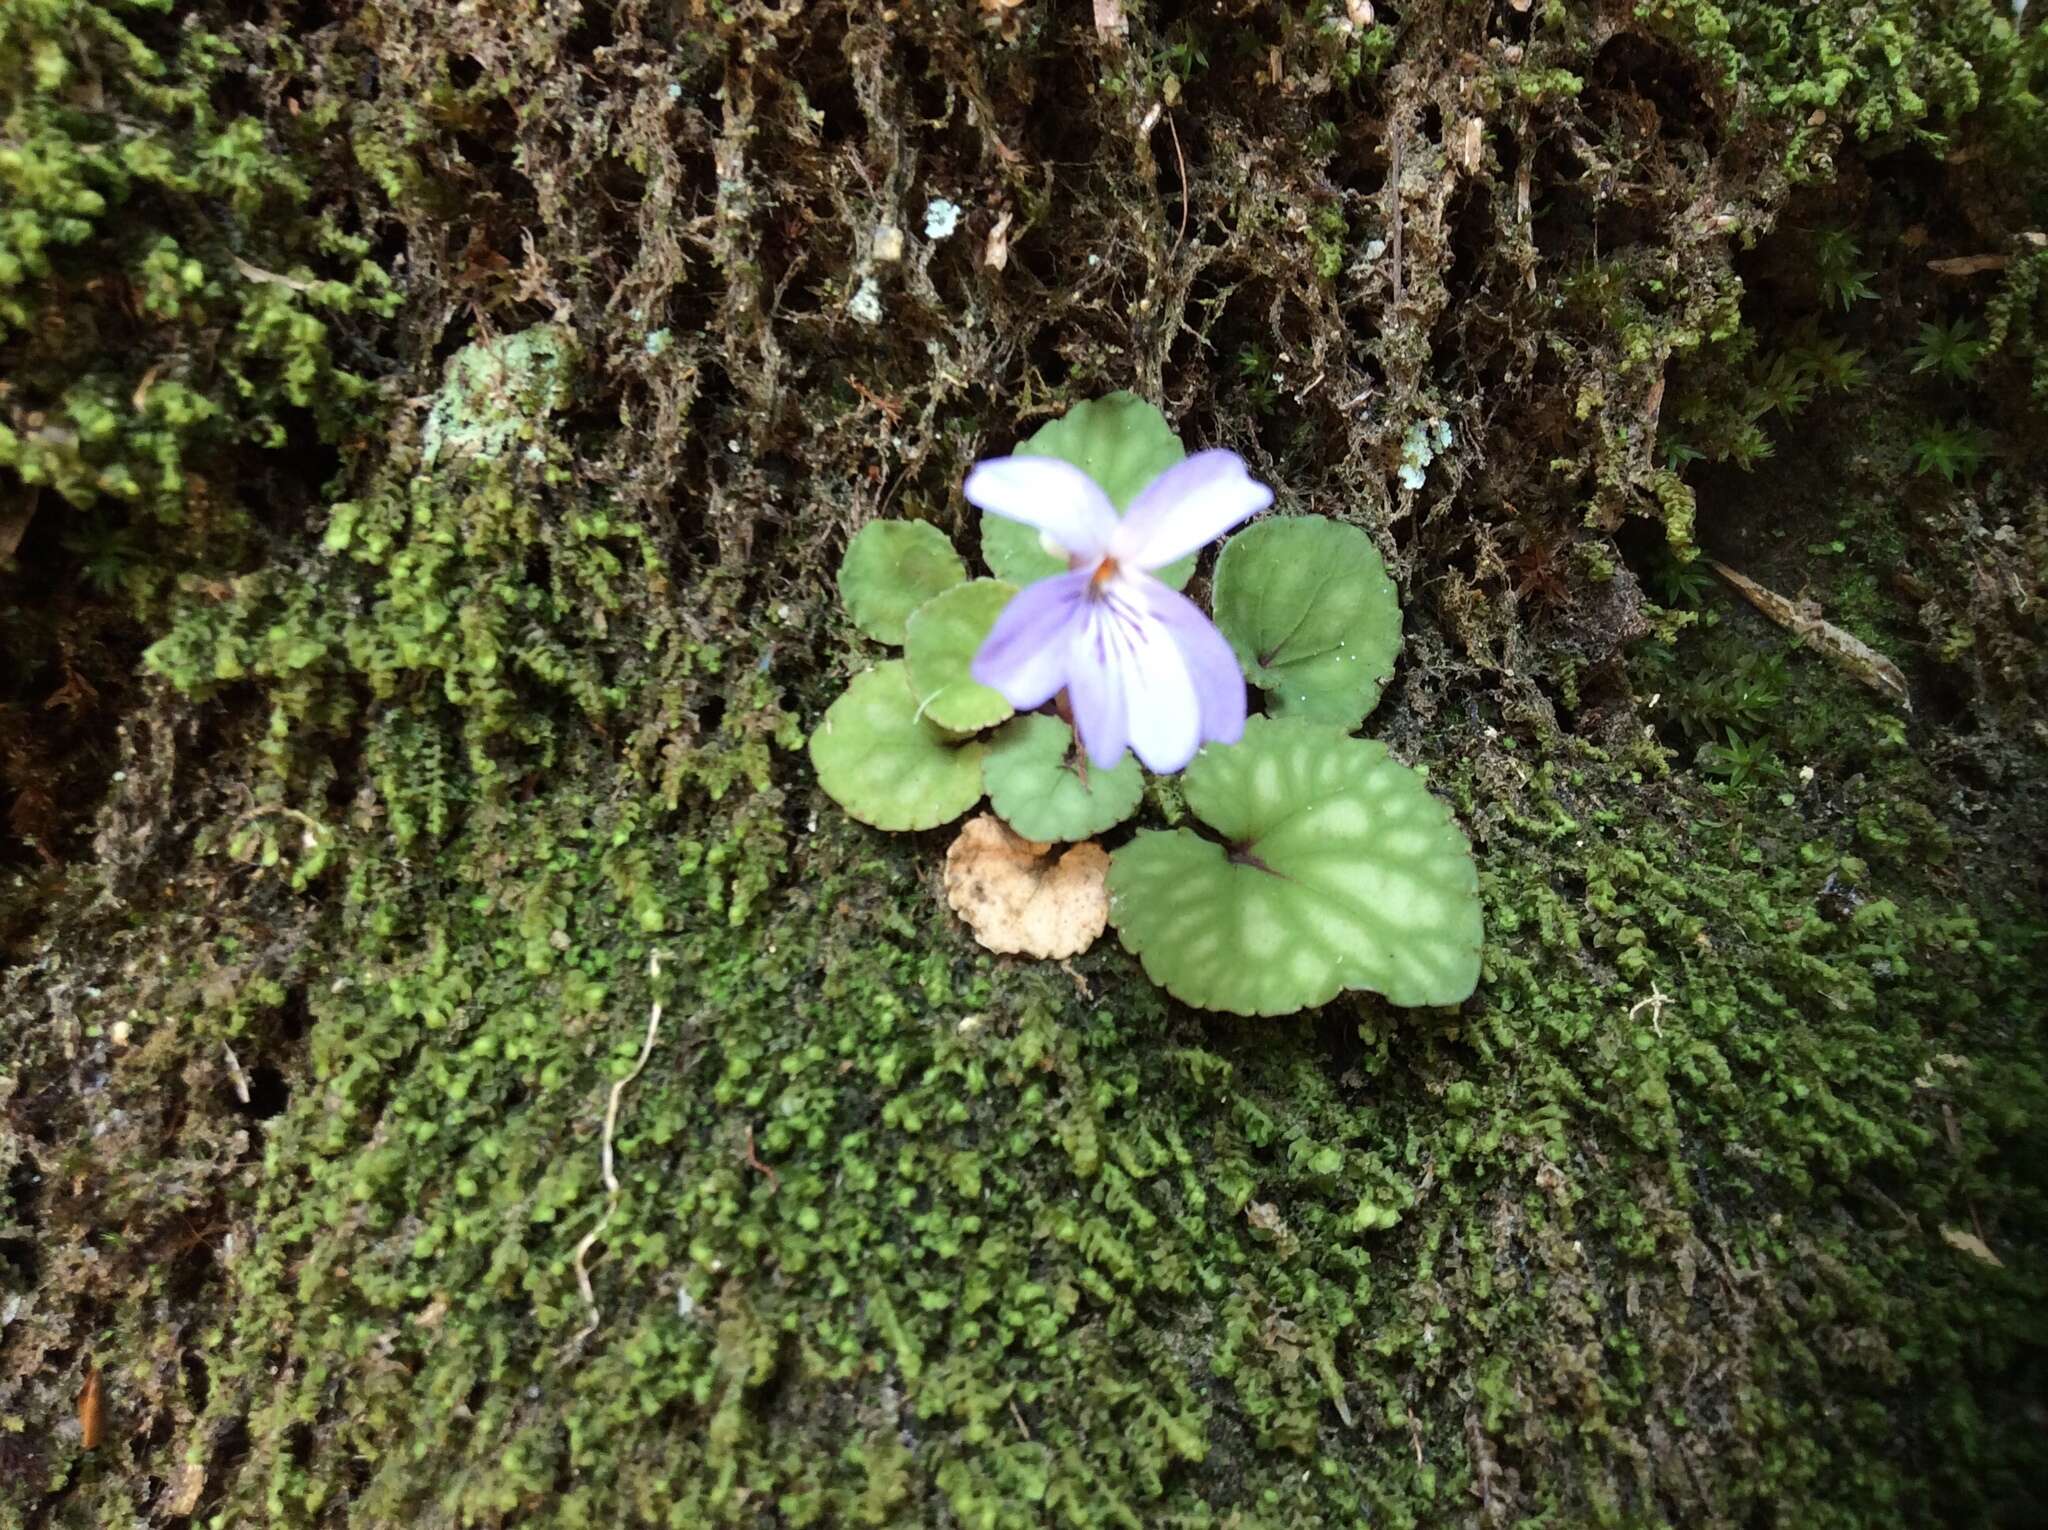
[[1104, 572]]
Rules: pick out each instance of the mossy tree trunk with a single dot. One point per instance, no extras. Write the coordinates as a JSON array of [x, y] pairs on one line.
[[429, 434]]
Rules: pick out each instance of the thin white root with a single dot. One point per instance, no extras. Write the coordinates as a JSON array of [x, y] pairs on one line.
[[1655, 1004], [611, 1178]]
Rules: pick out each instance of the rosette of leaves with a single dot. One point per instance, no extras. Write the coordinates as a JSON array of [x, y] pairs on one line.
[[1321, 865], [901, 749], [898, 766], [1332, 869]]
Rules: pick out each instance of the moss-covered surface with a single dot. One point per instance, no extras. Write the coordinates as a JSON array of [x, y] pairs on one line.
[[437, 674]]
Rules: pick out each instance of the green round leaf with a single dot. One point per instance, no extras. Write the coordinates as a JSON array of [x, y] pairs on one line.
[[945, 632], [1044, 788], [1339, 871], [1013, 552], [1308, 606], [887, 767], [1120, 441], [890, 569]]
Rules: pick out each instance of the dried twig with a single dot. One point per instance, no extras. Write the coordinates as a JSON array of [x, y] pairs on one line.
[[1976, 265], [1802, 618], [92, 1415], [1394, 184], [890, 407], [754, 1162], [313, 827], [1655, 1004], [1181, 164], [1968, 265]]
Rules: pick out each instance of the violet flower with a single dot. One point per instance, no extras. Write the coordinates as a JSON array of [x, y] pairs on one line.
[[1142, 666]]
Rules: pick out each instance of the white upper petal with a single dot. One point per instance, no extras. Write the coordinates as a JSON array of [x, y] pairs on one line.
[[1055, 496], [1186, 507]]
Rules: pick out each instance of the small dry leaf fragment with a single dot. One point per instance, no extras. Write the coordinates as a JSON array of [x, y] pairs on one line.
[[1803, 619], [186, 1489], [1930, 1079], [997, 253], [236, 1076], [92, 1415], [1970, 1244], [1474, 144], [1018, 899], [270, 278], [1265, 1216], [1968, 265], [1110, 24]]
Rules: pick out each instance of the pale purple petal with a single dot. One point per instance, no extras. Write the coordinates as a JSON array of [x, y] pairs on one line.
[[1211, 664], [1095, 688], [1025, 654], [1186, 507], [1055, 496], [1130, 684]]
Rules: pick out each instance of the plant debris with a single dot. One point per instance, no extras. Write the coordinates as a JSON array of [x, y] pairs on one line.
[[1802, 618], [1021, 901]]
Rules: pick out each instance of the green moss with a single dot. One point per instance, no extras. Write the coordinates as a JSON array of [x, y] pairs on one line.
[[182, 294], [1904, 71], [107, 113], [1020, 1252]]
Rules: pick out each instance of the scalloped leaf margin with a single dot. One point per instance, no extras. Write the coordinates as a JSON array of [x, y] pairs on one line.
[[1307, 604], [944, 634], [890, 569], [887, 766], [1338, 871], [1039, 785]]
